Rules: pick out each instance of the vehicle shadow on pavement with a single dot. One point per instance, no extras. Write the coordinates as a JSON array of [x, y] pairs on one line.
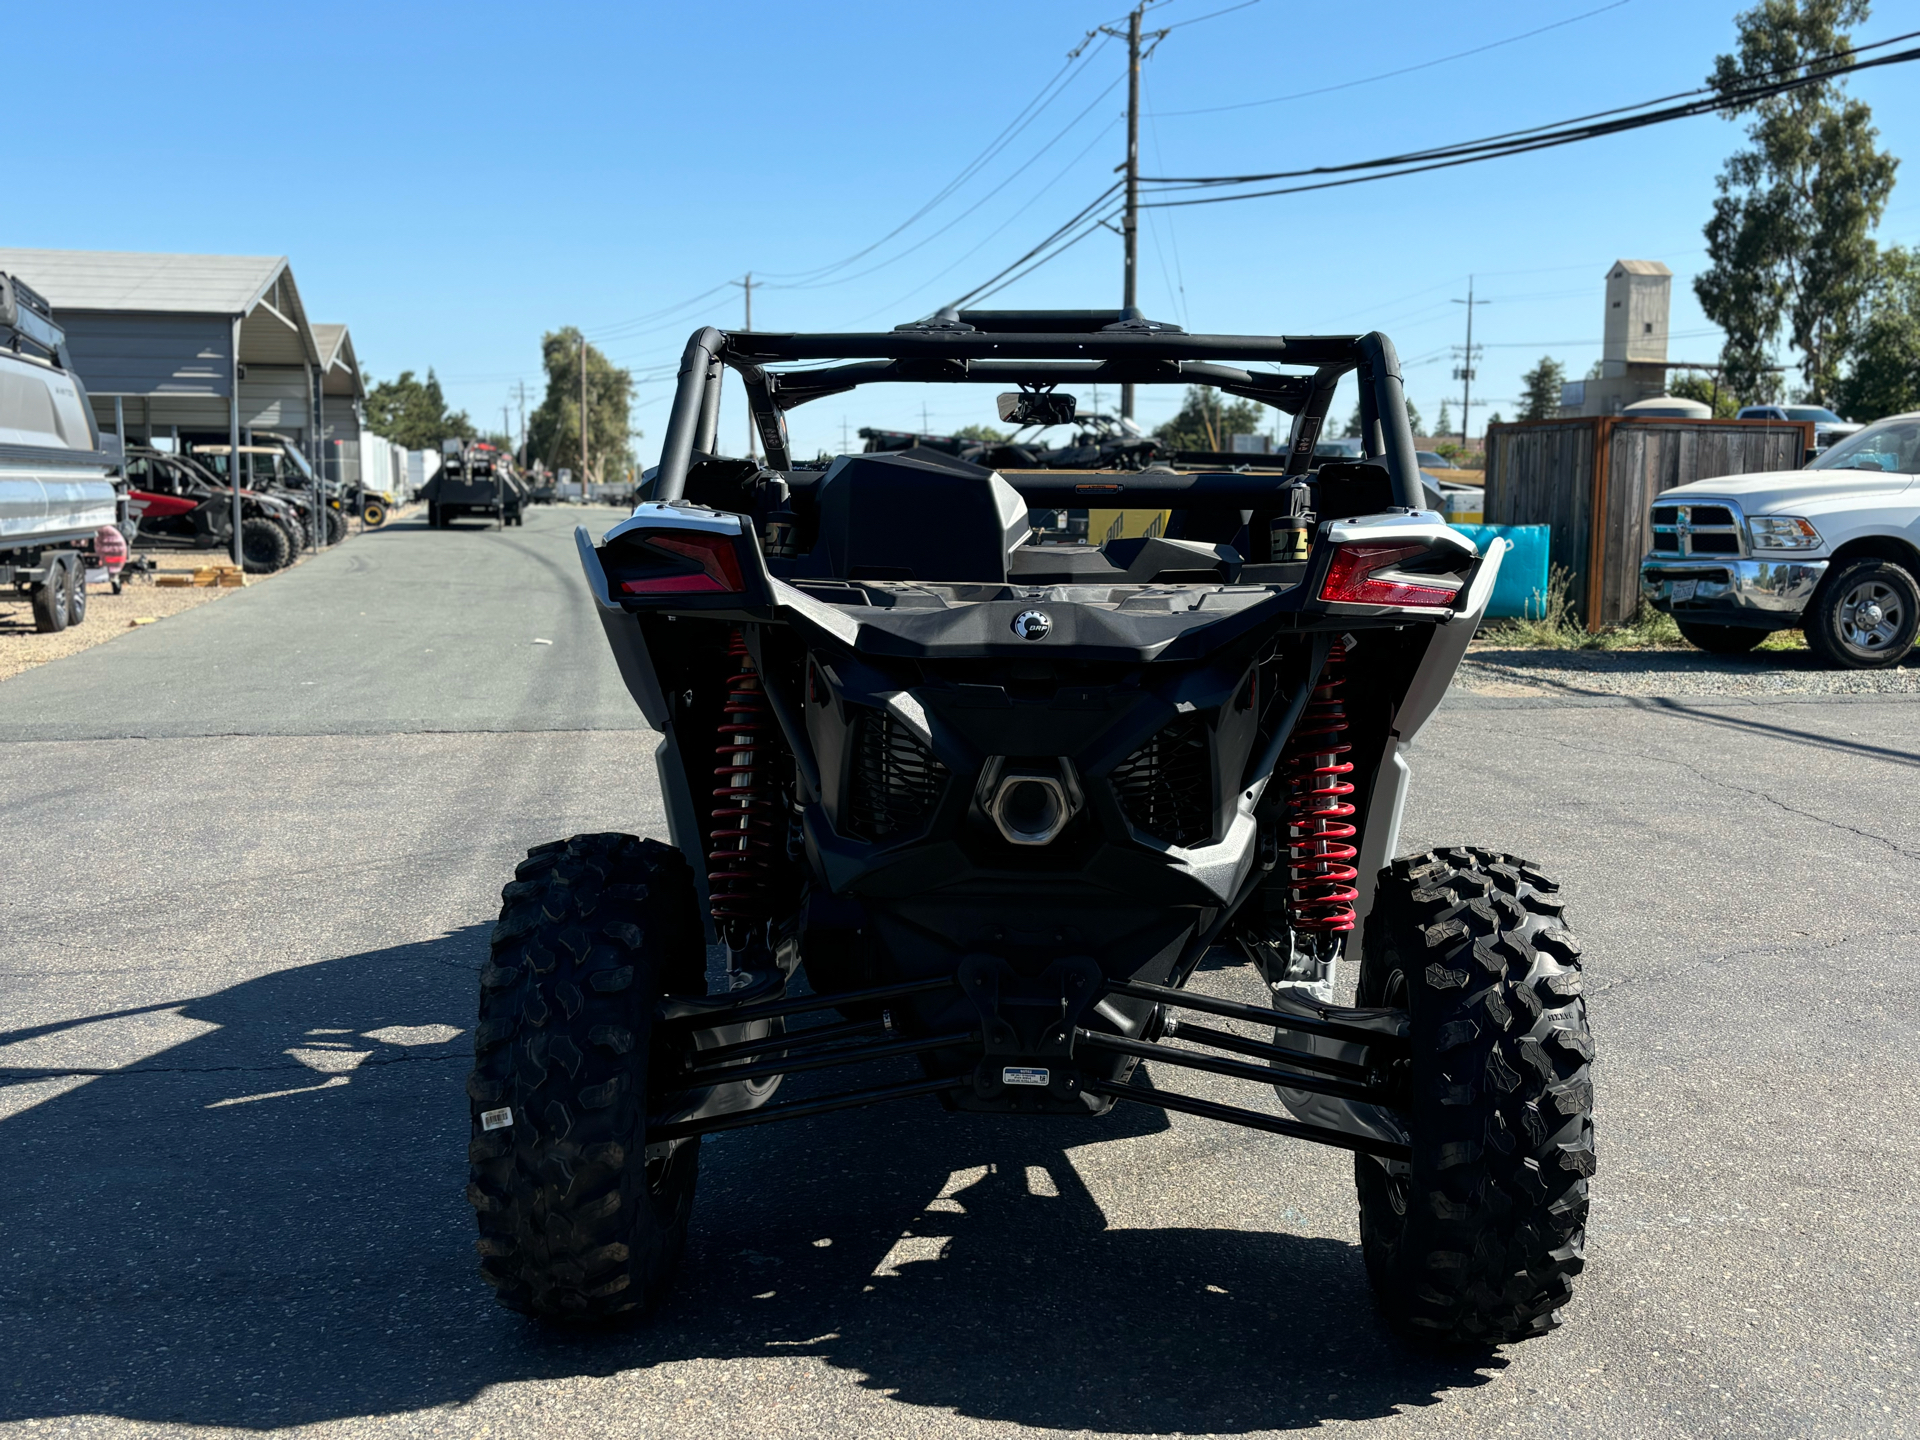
[[265, 1226]]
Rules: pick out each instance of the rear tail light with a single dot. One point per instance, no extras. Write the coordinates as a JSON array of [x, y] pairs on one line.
[[681, 563], [1364, 575]]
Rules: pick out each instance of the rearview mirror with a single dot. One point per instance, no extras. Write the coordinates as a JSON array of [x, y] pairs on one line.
[[1027, 407]]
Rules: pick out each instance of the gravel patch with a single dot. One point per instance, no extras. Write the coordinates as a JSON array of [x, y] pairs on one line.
[[1502, 672], [109, 615]]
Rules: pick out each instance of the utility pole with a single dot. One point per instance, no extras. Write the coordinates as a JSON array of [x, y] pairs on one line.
[[1464, 372], [747, 294], [1130, 220], [520, 451], [583, 417]]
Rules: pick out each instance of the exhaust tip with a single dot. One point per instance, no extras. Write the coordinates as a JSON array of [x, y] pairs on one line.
[[1030, 810]]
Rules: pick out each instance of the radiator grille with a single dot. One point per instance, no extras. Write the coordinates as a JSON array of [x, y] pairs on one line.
[[896, 780], [1166, 787]]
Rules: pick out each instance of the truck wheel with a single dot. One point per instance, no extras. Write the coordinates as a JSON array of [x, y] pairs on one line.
[[336, 527], [373, 515], [264, 547], [76, 591], [1863, 616], [50, 598], [577, 1222], [1478, 1240], [1722, 639]]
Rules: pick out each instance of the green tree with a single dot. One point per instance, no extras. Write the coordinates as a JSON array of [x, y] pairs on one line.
[[1884, 352], [1720, 399], [1542, 389], [1445, 425], [1205, 423], [553, 430], [1789, 237], [1413, 418], [981, 432], [413, 413]]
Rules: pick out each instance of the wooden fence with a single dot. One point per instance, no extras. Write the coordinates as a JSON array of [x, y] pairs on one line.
[[1592, 479]]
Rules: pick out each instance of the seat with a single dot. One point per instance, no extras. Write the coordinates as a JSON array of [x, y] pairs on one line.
[[923, 517]]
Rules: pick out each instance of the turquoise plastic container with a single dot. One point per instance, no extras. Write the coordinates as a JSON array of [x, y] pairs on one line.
[[1521, 589]]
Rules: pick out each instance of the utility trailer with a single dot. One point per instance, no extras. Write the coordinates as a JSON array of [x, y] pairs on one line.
[[62, 512]]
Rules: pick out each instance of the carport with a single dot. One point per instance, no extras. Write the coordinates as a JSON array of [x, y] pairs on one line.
[[342, 400], [177, 349], [178, 346]]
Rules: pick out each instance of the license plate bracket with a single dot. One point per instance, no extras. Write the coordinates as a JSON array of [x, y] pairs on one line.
[[1684, 590]]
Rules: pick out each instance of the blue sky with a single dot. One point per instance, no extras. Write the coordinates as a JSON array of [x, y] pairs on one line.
[[451, 181]]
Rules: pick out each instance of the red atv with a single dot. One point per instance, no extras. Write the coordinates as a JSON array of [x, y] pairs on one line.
[[178, 499]]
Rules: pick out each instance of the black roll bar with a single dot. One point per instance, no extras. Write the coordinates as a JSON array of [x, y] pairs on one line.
[[685, 419]]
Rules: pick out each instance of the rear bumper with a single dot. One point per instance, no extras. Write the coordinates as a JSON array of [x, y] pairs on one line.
[[1769, 594]]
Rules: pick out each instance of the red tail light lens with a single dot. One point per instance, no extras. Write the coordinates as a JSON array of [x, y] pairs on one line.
[[719, 572], [1352, 576]]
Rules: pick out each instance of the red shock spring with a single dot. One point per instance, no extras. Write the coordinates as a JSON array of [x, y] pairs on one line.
[[738, 861], [1320, 851]]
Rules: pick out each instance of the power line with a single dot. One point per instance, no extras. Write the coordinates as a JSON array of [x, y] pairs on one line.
[[1518, 142], [1404, 70]]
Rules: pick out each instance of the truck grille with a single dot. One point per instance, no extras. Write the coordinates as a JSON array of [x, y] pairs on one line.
[[896, 781], [1166, 787], [1695, 530]]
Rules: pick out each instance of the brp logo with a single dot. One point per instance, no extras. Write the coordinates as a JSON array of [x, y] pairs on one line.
[[1033, 625]]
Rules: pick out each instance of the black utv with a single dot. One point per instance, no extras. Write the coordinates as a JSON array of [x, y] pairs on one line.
[[966, 812], [474, 480]]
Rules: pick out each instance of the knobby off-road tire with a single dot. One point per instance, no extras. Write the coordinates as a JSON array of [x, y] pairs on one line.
[[576, 1224], [1721, 639], [264, 547], [1478, 1242], [1864, 616]]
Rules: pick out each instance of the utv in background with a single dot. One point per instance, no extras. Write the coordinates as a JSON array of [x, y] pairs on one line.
[[995, 802], [181, 502], [474, 479]]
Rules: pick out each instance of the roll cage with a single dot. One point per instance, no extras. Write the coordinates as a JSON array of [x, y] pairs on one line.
[[1040, 349]]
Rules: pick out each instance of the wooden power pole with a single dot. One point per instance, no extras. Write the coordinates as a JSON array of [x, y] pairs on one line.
[[583, 417], [1130, 216], [747, 293]]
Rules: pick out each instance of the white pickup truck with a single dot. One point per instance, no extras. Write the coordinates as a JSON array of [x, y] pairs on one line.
[[1833, 549]]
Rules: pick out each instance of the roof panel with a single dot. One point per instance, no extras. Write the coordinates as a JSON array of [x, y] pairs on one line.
[[134, 280]]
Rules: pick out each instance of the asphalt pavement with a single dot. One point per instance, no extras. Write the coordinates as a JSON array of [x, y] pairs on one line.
[[254, 855]]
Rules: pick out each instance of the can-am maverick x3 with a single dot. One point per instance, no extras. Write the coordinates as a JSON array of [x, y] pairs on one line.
[[995, 801]]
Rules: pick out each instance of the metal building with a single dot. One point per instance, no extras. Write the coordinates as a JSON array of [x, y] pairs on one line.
[[183, 348], [342, 417]]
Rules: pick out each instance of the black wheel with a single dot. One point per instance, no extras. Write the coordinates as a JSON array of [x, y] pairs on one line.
[[433, 517], [50, 598], [336, 527], [1863, 616], [1478, 1240], [1722, 639], [76, 592], [577, 1221], [373, 514], [264, 547], [296, 534]]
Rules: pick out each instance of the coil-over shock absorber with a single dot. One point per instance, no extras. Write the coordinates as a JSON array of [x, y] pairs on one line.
[[740, 846], [1320, 850]]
